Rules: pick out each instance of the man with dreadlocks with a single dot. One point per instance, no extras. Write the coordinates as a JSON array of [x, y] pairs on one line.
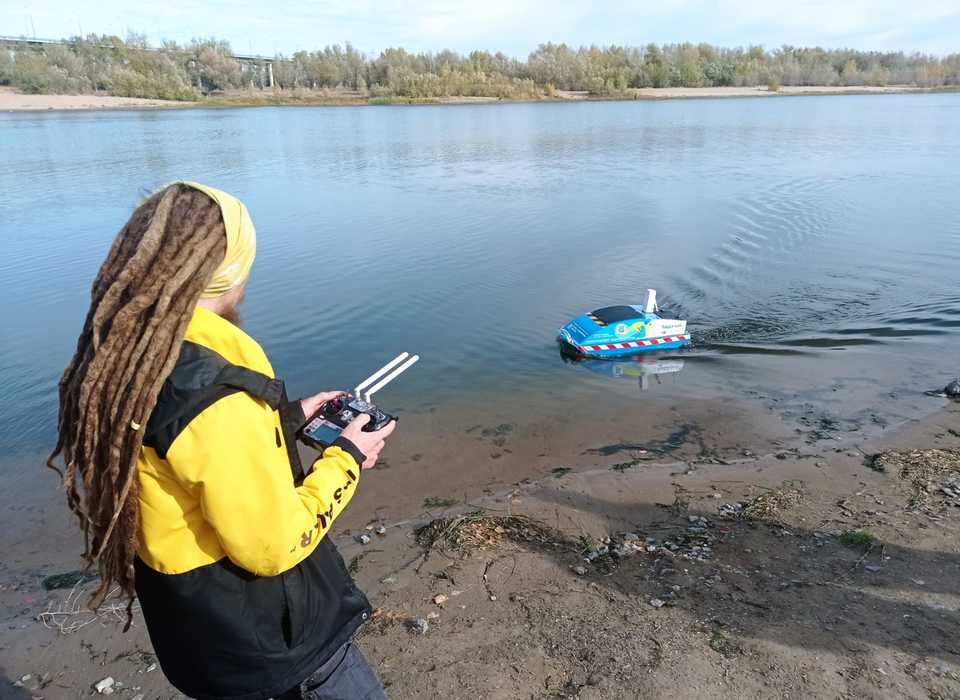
[[192, 493]]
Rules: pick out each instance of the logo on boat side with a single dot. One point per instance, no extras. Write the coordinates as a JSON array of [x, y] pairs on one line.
[[640, 327]]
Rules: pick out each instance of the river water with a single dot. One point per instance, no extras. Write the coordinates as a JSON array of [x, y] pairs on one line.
[[812, 242]]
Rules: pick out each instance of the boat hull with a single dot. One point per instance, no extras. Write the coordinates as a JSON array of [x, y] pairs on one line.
[[622, 349]]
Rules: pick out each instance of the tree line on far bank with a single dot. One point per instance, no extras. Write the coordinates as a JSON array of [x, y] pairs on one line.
[[132, 68]]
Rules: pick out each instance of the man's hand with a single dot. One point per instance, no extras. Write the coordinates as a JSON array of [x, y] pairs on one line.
[[312, 404], [369, 444]]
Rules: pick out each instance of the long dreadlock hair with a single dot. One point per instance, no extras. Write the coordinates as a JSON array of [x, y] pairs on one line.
[[141, 302]]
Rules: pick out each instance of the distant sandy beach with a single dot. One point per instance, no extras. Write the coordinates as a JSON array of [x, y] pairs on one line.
[[785, 90], [757, 91], [13, 101]]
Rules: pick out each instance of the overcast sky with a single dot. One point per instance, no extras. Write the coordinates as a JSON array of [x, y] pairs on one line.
[[512, 26]]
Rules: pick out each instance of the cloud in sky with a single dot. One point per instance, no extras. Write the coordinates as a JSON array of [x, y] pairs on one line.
[[512, 26]]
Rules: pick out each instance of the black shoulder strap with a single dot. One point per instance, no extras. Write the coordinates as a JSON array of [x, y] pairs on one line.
[[259, 386], [200, 378], [272, 392]]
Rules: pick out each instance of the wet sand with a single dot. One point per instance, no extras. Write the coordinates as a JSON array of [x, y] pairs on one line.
[[776, 605], [464, 451]]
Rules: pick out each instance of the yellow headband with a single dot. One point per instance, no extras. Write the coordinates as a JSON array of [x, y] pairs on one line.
[[241, 242]]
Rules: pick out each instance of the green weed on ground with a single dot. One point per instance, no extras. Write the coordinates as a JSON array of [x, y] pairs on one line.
[[858, 538]]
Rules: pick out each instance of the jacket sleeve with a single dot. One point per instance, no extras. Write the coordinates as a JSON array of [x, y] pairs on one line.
[[232, 456]]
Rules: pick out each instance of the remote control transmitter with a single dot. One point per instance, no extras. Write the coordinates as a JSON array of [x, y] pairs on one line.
[[326, 424]]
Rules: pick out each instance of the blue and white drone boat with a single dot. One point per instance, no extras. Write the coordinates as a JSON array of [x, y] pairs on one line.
[[616, 331]]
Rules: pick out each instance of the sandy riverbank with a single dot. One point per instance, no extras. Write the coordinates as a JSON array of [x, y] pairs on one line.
[[776, 606], [787, 90], [13, 101], [756, 91]]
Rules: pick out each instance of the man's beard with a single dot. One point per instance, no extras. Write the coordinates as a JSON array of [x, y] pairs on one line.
[[232, 315]]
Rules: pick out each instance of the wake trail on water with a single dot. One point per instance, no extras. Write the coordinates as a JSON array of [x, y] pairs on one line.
[[788, 278]]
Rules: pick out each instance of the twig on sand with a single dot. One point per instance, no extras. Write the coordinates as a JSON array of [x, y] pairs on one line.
[[70, 614], [485, 578], [860, 560]]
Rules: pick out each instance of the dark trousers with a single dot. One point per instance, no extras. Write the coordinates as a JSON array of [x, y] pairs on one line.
[[345, 676]]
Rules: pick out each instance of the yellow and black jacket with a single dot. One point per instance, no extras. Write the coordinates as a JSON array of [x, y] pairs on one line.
[[243, 594]]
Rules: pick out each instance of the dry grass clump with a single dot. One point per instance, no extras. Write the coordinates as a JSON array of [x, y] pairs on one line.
[[922, 463], [480, 531], [769, 506], [921, 468]]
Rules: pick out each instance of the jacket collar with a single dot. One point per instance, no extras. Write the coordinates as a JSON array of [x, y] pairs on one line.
[[227, 340]]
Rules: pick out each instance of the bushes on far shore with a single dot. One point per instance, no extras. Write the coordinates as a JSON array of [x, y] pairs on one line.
[[100, 64], [131, 68], [40, 73]]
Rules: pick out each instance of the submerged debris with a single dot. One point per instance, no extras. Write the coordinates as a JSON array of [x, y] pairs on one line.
[[478, 530]]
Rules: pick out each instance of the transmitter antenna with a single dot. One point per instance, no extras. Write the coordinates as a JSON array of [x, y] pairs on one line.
[[390, 377], [380, 372]]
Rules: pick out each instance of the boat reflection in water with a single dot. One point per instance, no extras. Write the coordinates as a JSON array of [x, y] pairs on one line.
[[642, 368]]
